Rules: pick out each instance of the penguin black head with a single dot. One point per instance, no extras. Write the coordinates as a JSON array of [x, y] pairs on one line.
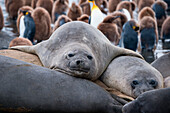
[[25, 12], [134, 25]]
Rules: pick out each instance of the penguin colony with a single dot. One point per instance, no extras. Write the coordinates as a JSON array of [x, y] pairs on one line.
[[37, 19], [109, 16]]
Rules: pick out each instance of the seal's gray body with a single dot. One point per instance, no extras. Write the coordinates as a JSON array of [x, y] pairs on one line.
[[162, 64], [155, 101], [81, 37], [26, 87], [125, 70]]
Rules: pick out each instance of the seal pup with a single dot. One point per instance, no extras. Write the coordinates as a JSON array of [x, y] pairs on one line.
[[132, 76], [156, 101], [78, 49], [39, 89]]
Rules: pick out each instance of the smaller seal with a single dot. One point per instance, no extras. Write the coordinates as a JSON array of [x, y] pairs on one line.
[[132, 76]]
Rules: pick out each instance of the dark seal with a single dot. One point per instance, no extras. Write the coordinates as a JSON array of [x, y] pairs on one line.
[[26, 87], [155, 101]]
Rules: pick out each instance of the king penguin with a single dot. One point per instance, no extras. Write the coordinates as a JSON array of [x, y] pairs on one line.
[[129, 35], [96, 16], [27, 26]]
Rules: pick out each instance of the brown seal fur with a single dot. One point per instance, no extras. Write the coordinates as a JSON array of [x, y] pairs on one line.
[[20, 14], [74, 11], [112, 5], [145, 3], [20, 41], [1, 19], [59, 6], [43, 24], [12, 7], [110, 29], [57, 24], [130, 6], [47, 4], [84, 18]]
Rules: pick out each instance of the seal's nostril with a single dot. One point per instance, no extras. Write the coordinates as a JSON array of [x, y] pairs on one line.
[[78, 62]]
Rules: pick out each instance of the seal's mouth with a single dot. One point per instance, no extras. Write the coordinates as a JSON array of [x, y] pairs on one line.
[[72, 71], [80, 70]]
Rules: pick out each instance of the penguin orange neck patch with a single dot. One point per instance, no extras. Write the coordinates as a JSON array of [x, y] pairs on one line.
[[94, 6]]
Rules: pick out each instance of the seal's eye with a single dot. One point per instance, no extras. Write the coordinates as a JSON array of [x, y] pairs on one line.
[[153, 83], [134, 83], [89, 57], [70, 55]]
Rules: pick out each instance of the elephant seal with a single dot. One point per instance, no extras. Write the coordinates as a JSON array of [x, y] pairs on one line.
[[132, 76], [155, 101], [78, 49], [26, 87], [162, 64], [167, 81]]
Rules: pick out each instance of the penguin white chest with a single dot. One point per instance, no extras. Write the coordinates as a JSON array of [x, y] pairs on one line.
[[22, 26], [96, 17]]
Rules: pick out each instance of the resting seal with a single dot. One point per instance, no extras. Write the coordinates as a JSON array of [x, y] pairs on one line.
[[77, 49], [26, 87], [162, 64], [132, 76], [156, 101]]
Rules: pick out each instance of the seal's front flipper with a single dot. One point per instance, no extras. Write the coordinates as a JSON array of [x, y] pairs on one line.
[[28, 49]]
